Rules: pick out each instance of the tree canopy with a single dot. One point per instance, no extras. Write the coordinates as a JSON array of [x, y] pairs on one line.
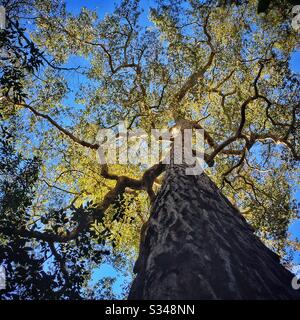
[[224, 69]]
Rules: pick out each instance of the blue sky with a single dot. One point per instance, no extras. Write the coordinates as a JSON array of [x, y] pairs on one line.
[[103, 7], [295, 226]]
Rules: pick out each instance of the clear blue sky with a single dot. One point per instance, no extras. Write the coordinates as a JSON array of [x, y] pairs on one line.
[[295, 226]]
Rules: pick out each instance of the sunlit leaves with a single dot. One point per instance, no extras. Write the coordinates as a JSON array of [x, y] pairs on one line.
[[130, 72]]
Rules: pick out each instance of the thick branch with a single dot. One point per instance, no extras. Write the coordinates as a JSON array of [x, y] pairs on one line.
[[238, 133], [194, 77]]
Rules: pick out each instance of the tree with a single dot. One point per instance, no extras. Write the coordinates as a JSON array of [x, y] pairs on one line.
[[192, 64], [36, 270], [196, 245]]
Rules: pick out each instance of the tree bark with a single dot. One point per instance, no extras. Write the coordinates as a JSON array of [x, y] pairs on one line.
[[197, 245]]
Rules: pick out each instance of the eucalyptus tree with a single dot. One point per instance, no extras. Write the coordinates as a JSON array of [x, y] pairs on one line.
[[186, 64]]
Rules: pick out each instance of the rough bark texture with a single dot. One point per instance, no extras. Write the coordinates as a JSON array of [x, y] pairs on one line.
[[196, 245]]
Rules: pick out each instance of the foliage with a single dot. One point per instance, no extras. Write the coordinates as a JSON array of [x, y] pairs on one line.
[[18, 58], [38, 269], [222, 68]]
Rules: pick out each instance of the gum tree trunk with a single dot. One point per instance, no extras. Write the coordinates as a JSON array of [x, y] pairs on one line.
[[196, 245]]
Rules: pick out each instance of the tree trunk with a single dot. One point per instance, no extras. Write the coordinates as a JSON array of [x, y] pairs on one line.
[[196, 245]]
